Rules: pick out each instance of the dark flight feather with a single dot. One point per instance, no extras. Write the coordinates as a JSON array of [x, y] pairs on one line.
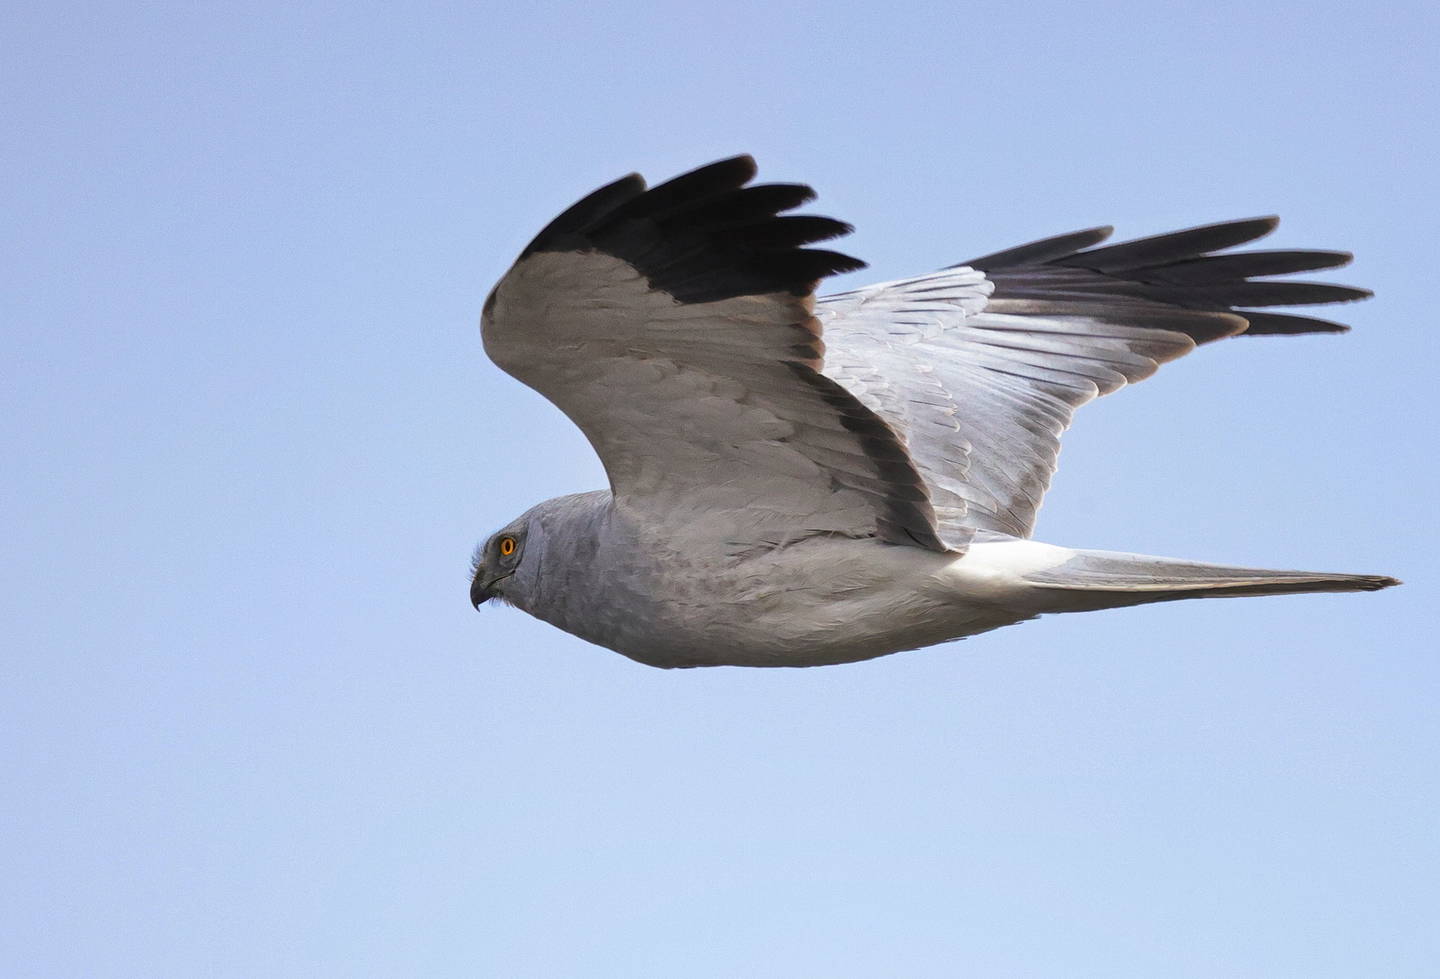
[[1039, 252], [1129, 281], [1172, 247], [705, 236]]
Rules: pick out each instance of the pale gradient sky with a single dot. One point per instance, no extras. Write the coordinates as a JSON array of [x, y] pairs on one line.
[[251, 725]]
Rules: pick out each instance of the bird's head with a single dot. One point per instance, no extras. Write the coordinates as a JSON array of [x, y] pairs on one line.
[[496, 562], [526, 561]]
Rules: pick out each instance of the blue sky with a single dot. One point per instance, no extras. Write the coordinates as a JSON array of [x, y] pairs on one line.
[[252, 725]]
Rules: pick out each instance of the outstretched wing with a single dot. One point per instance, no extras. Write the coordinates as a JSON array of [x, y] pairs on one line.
[[676, 327], [981, 366]]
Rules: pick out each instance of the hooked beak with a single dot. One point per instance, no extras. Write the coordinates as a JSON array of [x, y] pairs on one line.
[[479, 592]]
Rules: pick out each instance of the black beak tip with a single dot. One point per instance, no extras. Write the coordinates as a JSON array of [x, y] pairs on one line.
[[478, 595]]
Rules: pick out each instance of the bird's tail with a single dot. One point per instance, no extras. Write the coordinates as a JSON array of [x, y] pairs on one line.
[[1104, 579]]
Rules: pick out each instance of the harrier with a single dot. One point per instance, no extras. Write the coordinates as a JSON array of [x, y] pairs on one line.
[[798, 481]]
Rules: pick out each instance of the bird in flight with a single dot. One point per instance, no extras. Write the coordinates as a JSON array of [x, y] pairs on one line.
[[800, 481]]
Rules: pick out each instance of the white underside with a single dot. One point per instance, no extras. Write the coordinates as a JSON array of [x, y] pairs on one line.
[[837, 601]]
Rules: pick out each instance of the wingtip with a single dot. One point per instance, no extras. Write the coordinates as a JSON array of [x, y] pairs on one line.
[[1335, 293], [834, 263], [632, 184], [740, 163], [1288, 324], [1040, 251], [1377, 582], [1237, 231], [1263, 226], [1258, 226]]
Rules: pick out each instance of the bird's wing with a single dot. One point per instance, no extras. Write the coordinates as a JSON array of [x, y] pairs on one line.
[[675, 326], [981, 366]]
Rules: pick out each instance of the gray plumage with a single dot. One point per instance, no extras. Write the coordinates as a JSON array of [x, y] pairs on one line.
[[796, 482]]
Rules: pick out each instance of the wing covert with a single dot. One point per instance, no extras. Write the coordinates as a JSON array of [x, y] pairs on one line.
[[675, 326]]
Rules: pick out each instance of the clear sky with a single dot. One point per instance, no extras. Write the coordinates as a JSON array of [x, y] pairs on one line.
[[251, 725]]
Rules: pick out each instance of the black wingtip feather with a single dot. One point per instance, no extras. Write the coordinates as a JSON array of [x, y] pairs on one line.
[[705, 235], [1180, 269], [686, 189], [1039, 252], [737, 207], [571, 223], [1247, 293], [1162, 249], [1287, 324], [1210, 269]]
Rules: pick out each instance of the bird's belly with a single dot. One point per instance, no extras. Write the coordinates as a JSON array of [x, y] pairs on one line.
[[807, 606]]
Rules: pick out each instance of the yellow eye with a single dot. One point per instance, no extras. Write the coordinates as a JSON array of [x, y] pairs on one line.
[[507, 546]]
